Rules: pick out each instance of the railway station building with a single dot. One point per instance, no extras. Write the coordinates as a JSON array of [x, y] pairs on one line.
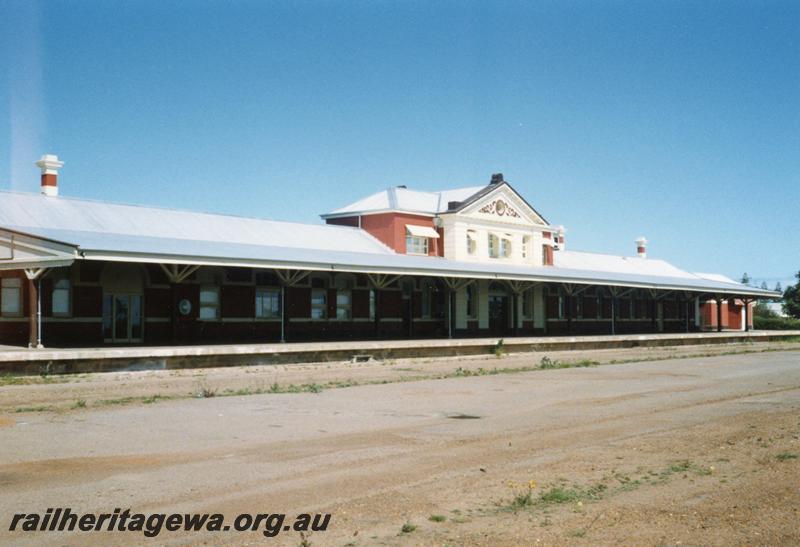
[[478, 261]]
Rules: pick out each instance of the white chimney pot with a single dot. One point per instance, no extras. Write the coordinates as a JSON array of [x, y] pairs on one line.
[[50, 165], [641, 247]]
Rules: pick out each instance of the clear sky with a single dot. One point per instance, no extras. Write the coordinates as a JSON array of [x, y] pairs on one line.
[[675, 120]]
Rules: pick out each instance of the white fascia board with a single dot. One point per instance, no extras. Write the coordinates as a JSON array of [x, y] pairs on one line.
[[24, 251], [433, 271], [35, 264]]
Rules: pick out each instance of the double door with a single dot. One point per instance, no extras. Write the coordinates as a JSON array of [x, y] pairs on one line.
[[122, 318]]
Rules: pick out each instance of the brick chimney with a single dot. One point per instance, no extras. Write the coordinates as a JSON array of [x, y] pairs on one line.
[[641, 247], [497, 178], [50, 165]]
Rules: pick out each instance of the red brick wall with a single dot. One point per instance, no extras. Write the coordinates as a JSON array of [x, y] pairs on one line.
[[390, 228]]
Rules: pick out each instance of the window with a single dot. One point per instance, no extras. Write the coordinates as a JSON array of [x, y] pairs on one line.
[[472, 242], [61, 297], [427, 300], [547, 255], [268, 303], [11, 296], [472, 301], [527, 304], [319, 304], [344, 304], [505, 247], [494, 246], [416, 245], [209, 302], [526, 243]]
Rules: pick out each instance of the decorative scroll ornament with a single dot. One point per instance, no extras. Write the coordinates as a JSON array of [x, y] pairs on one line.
[[500, 208]]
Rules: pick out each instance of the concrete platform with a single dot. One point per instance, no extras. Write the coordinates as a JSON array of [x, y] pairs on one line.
[[66, 361]]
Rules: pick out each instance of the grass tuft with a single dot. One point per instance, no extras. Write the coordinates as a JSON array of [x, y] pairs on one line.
[[408, 528], [33, 409]]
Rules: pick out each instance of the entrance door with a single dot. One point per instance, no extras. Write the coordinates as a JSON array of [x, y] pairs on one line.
[[122, 317], [498, 314]]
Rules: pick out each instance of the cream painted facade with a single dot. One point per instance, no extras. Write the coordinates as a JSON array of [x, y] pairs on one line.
[[501, 215]]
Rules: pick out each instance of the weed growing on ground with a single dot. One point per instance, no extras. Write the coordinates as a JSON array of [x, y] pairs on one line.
[[558, 495], [499, 348], [80, 403], [784, 456], [33, 409], [437, 518], [523, 494], [408, 528], [205, 392], [547, 363]]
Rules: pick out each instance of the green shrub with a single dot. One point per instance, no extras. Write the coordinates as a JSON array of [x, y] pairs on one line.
[[776, 323], [499, 348]]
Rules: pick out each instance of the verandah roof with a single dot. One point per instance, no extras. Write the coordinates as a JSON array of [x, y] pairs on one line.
[[137, 248]]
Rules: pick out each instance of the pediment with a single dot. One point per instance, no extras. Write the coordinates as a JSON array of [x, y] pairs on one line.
[[503, 205]]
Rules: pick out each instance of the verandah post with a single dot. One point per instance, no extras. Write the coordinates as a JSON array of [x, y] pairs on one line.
[[283, 313], [613, 313], [450, 313], [33, 323]]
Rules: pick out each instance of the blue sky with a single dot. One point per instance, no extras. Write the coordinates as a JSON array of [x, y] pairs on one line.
[[676, 120]]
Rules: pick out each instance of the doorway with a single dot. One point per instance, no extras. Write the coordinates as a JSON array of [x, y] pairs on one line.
[[122, 318], [499, 310], [123, 311]]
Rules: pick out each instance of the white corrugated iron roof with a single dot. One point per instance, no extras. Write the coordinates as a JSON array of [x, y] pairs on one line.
[[403, 199], [618, 264], [715, 277], [34, 211]]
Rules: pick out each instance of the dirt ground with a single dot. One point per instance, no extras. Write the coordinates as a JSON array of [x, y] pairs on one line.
[[19, 394], [687, 450]]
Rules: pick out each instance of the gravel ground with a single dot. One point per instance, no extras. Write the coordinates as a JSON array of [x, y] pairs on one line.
[[699, 450]]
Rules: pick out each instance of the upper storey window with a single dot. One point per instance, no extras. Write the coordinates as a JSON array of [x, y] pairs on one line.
[[416, 245], [505, 247], [526, 246], [499, 247], [418, 239], [472, 242], [494, 246]]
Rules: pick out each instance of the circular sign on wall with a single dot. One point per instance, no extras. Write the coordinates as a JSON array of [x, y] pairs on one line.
[[185, 307]]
